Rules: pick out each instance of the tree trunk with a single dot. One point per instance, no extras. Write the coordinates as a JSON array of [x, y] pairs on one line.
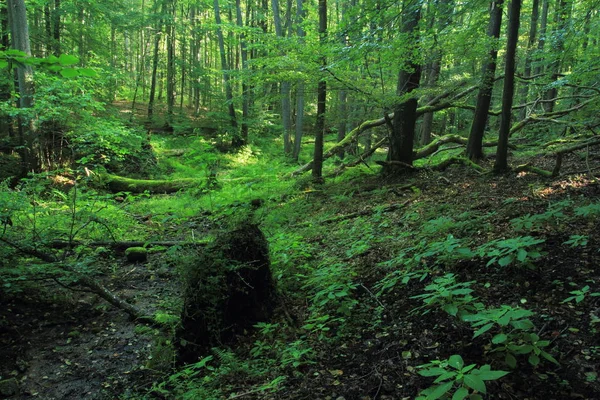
[[285, 86], [236, 141], [530, 46], [317, 170], [484, 97], [562, 14], [245, 90], [543, 30], [170, 29], [155, 56], [402, 137], [30, 153], [501, 163], [300, 86]]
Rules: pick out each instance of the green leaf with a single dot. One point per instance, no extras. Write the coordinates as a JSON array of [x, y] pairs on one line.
[[445, 377], [506, 260], [483, 329], [548, 357], [510, 360], [475, 382], [499, 338], [456, 361], [440, 391], [451, 309], [3, 64], [88, 72], [524, 325], [460, 394], [492, 375], [69, 72], [533, 360], [66, 59], [522, 255], [436, 371]]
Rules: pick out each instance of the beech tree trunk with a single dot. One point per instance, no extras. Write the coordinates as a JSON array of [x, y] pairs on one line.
[[237, 140], [317, 170], [284, 86], [299, 87], [484, 97], [30, 153], [402, 137], [245, 89], [501, 163], [530, 46]]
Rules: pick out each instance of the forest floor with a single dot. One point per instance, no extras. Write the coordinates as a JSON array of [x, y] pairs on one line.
[[64, 344]]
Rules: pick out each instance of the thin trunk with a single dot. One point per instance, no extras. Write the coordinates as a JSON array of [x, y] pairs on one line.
[[56, 28], [543, 30], [530, 47], [501, 163], [237, 141], [484, 97], [300, 86], [170, 63], [317, 170], [155, 56], [245, 92], [285, 87], [561, 18]]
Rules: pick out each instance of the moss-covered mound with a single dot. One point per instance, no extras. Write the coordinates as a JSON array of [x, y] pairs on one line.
[[228, 290]]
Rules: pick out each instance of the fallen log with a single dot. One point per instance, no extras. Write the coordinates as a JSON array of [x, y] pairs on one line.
[[118, 184], [122, 245]]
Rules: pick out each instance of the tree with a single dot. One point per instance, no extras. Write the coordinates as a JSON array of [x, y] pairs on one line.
[[402, 136], [285, 86], [317, 170], [484, 97], [501, 163], [19, 28]]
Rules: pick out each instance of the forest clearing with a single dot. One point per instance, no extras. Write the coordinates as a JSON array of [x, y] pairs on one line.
[[253, 200]]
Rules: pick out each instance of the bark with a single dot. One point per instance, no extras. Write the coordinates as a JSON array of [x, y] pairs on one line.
[[155, 57], [118, 184], [317, 169], [170, 30], [237, 141], [530, 47], [29, 140], [501, 163], [300, 86], [405, 113], [543, 30], [561, 18], [284, 87], [245, 89], [484, 97]]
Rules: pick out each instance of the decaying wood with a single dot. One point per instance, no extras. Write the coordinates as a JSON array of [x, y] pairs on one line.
[[122, 245], [118, 184], [456, 160], [368, 211], [535, 170]]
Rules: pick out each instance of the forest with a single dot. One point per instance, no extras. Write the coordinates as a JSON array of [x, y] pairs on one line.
[[301, 199]]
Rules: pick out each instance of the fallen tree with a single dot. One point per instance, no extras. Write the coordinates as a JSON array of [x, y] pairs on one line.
[[118, 184]]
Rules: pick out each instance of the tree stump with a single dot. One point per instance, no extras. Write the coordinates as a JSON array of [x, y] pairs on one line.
[[227, 291]]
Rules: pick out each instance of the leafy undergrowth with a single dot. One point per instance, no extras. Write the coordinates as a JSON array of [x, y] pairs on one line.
[[436, 284]]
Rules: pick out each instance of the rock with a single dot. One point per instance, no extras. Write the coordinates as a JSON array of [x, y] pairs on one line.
[[136, 254], [9, 387]]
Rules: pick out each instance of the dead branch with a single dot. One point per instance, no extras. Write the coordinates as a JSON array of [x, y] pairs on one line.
[[535, 170]]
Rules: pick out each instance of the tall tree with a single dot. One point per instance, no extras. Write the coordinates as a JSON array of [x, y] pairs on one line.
[[501, 163], [484, 97], [317, 169], [285, 85], [402, 136], [245, 89], [19, 29], [300, 15], [530, 47], [156, 54], [236, 141]]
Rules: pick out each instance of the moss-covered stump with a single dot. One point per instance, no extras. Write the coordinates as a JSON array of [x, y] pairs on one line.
[[228, 290], [136, 254]]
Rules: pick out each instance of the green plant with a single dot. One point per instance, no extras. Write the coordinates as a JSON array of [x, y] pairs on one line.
[[297, 354], [580, 294], [577, 241], [453, 376], [445, 293], [515, 333], [589, 211], [522, 250], [331, 286]]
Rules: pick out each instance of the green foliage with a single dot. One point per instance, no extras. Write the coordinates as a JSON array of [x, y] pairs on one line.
[[456, 380], [577, 241], [580, 294], [514, 335], [331, 287], [521, 251], [553, 216], [589, 211], [445, 293]]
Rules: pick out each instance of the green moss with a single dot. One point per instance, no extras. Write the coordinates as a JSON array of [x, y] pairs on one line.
[[121, 184], [136, 254]]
